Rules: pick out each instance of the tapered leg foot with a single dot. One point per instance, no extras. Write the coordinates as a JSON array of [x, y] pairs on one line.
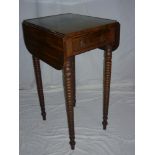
[[44, 116], [69, 95], [72, 144], [37, 72], [107, 79], [105, 123]]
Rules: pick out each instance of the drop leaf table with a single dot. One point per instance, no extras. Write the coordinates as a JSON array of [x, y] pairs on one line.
[[57, 39]]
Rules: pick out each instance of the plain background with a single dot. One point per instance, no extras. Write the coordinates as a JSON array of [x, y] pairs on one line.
[[51, 137]]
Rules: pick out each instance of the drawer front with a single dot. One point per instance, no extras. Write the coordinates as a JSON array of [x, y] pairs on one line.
[[90, 41]]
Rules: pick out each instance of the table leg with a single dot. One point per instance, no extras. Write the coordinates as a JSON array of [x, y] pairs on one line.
[[37, 72], [107, 79], [74, 81], [68, 86]]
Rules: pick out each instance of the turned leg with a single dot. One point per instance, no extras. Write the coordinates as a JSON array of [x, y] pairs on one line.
[[107, 78], [68, 86], [74, 80], [37, 72]]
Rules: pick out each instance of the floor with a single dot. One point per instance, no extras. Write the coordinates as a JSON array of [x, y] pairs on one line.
[[50, 137]]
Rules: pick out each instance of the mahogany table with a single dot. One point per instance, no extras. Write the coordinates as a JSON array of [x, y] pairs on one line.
[[57, 39]]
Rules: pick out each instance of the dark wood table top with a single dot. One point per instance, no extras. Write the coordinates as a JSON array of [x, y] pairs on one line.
[[55, 38], [69, 23]]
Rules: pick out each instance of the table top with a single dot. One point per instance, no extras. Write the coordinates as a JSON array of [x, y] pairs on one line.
[[55, 38], [69, 23]]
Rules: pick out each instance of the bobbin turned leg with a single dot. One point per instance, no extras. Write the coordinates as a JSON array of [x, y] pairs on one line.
[[37, 72], [107, 79], [68, 85], [74, 80]]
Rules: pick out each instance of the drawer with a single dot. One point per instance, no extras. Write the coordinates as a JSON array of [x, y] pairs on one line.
[[90, 41]]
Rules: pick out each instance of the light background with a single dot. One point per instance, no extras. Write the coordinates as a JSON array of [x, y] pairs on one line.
[[51, 137]]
